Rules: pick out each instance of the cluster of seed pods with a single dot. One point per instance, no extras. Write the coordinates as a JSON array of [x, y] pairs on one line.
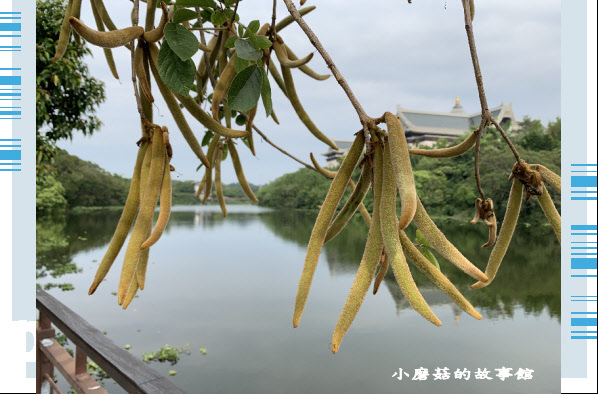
[[386, 169]]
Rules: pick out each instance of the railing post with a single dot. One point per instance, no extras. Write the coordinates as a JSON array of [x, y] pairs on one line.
[[43, 365]]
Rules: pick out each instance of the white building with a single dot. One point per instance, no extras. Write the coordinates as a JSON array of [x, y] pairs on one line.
[[424, 128]]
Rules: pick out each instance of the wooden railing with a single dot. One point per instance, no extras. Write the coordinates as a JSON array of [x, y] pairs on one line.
[[132, 374]]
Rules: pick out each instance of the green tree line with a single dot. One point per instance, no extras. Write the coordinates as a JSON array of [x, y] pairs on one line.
[[446, 187], [78, 183]]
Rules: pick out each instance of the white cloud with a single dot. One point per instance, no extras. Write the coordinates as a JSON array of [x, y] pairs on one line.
[[390, 52]]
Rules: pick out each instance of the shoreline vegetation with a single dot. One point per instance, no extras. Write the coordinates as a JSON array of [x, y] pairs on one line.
[[447, 189]]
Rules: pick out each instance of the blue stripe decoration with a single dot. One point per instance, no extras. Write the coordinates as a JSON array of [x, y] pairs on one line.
[[584, 181], [584, 227], [10, 80], [10, 155], [10, 27], [583, 321], [583, 264]]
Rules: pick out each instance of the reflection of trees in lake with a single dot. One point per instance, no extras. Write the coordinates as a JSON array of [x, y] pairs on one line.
[[529, 275]]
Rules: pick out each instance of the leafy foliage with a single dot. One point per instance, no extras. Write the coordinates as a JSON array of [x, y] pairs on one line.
[[66, 95], [446, 187]]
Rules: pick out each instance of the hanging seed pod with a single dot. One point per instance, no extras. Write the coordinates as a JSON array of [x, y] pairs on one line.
[[551, 213], [439, 242], [369, 262], [124, 223], [318, 234], [453, 151], [436, 276], [506, 233], [401, 164], [392, 243], [110, 39]]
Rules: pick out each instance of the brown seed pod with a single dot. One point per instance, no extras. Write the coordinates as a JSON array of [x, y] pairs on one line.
[[436, 276], [284, 22], [208, 174], [392, 244], [531, 179], [330, 175], [125, 222], [382, 272], [234, 155], [140, 71], [401, 164], [506, 233], [65, 32], [110, 39], [305, 69], [107, 52], [156, 34], [453, 151], [222, 86], [175, 110], [217, 178], [439, 242], [294, 99], [348, 210], [551, 213], [146, 212], [318, 234], [548, 176], [367, 267]]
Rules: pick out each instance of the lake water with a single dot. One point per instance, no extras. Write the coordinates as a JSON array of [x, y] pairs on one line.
[[228, 285]]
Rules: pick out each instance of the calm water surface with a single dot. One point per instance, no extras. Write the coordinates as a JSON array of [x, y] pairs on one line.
[[229, 285]]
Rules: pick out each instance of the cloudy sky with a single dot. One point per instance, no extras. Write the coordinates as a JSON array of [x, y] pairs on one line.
[[389, 51]]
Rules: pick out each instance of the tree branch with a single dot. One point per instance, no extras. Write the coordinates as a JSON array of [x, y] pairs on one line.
[[135, 21], [365, 120], [280, 149]]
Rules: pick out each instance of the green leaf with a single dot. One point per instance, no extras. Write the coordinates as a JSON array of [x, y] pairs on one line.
[[245, 50], [240, 120], [245, 89], [230, 43], [254, 26], [240, 31], [181, 41], [218, 18], [229, 14], [178, 75], [196, 3], [230, 2], [422, 240], [206, 138], [206, 15], [266, 93], [431, 258], [240, 64], [262, 42], [184, 14]]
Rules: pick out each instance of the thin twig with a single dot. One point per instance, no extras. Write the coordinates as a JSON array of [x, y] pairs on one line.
[[365, 120], [280, 149], [208, 28], [135, 20], [271, 34], [487, 118], [506, 138], [206, 58], [486, 115], [232, 21], [477, 164]]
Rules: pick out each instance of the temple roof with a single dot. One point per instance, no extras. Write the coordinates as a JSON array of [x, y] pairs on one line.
[[436, 124]]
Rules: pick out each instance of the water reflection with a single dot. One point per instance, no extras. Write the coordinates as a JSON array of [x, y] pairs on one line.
[[237, 302], [529, 275]]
